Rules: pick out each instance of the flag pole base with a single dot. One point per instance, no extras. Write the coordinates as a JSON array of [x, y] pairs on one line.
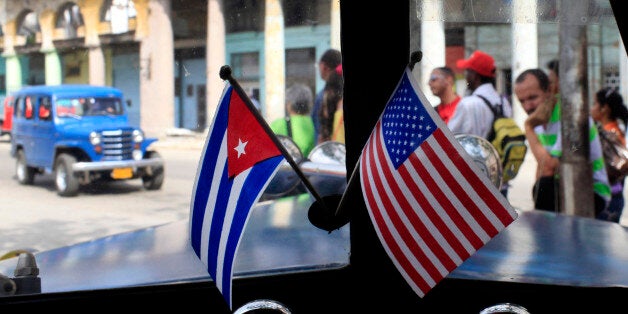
[[323, 216]]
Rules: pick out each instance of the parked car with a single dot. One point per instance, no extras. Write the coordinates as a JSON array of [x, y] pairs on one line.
[[5, 123], [81, 133]]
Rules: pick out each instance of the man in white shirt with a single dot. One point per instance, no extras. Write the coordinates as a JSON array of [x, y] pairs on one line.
[[472, 115]]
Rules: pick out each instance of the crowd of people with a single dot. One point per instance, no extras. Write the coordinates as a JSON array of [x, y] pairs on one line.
[[312, 120], [539, 94]]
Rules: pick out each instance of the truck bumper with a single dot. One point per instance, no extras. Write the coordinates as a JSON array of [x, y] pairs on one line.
[[110, 165]]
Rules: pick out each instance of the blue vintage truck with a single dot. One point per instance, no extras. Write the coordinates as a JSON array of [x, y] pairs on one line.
[[81, 134]]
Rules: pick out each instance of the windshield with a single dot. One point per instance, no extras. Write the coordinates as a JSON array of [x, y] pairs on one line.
[[158, 54], [59, 193], [88, 106]]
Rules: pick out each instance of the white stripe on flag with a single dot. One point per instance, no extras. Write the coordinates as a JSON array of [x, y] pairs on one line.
[[221, 163], [409, 196], [234, 196], [471, 192]]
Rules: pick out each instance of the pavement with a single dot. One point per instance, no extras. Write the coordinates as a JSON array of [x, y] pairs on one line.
[[181, 139], [520, 191]]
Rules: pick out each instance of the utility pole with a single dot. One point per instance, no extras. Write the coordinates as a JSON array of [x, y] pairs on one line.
[[576, 173]]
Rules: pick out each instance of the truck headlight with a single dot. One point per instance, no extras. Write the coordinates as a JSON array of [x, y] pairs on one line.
[[95, 138], [138, 136], [137, 154]]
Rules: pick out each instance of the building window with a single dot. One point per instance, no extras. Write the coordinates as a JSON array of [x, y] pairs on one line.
[[245, 66], [244, 15], [299, 67], [118, 13], [28, 27], [611, 77], [69, 18]]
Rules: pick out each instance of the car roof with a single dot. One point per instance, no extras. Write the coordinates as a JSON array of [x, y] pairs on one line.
[[71, 90]]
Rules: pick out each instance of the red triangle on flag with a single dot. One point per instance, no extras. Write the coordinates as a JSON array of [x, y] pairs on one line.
[[247, 141]]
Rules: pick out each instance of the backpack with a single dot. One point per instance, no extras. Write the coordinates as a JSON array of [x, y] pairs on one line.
[[509, 140]]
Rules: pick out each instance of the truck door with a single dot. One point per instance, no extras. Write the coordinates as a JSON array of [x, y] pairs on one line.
[[43, 131], [23, 127]]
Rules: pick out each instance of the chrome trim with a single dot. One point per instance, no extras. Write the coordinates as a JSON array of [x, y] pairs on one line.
[[309, 167], [109, 165]]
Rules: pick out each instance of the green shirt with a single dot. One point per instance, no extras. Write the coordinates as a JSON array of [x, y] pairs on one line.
[[550, 137], [302, 131]]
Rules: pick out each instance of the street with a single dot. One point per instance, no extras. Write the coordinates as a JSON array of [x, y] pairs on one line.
[[36, 218]]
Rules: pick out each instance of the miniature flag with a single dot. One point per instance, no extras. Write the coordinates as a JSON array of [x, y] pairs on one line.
[[238, 162], [431, 206]]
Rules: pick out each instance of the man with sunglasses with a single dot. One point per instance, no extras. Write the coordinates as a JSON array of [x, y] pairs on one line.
[[442, 86]]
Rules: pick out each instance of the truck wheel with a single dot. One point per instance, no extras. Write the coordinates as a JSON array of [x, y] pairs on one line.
[[25, 174], [67, 184], [154, 181]]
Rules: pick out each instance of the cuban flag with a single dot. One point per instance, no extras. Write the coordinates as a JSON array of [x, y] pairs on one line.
[[431, 206], [238, 161]]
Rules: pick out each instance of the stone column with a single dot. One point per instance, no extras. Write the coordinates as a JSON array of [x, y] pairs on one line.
[[335, 24], [215, 54], [274, 65], [156, 67], [97, 72], [91, 16], [12, 61], [524, 47], [432, 44], [53, 72]]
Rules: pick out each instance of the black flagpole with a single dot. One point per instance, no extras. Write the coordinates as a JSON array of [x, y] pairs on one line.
[[225, 74]]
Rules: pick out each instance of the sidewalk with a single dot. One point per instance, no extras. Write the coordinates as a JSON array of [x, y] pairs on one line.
[[520, 192], [181, 139]]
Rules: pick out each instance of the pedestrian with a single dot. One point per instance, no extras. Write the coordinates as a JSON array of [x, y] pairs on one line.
[[297, 124], [543, 133], [441, 84], [472, 114], [331, 115], [327, 64], [611, 114]]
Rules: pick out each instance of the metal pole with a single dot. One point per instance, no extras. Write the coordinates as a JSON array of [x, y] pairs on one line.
[[575, 169]]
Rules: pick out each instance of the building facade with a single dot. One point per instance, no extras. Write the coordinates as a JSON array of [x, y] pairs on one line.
[[156, 51], [165, 55]]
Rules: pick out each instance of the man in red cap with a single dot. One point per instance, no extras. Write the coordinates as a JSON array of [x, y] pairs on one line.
[[472, 115]]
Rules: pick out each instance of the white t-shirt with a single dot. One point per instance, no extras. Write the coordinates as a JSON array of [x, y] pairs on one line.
[[472, 116]]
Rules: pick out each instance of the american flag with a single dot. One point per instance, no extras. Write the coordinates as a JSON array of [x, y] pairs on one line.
[[431, 206], [237, 163]]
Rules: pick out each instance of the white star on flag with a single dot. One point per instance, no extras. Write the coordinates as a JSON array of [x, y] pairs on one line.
[[240, 147]]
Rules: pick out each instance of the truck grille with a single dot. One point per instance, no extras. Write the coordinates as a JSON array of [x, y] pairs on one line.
[[117, 144]]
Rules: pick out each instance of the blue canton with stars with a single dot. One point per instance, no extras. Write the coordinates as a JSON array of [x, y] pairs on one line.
[[405, 123]]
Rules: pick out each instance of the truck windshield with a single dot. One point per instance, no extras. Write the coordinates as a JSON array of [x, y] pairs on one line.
[[89, 106]]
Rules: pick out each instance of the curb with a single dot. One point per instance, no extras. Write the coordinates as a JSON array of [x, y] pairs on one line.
[[179, 142]]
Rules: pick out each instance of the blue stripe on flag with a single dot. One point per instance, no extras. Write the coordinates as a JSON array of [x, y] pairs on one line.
[[208, 166]]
